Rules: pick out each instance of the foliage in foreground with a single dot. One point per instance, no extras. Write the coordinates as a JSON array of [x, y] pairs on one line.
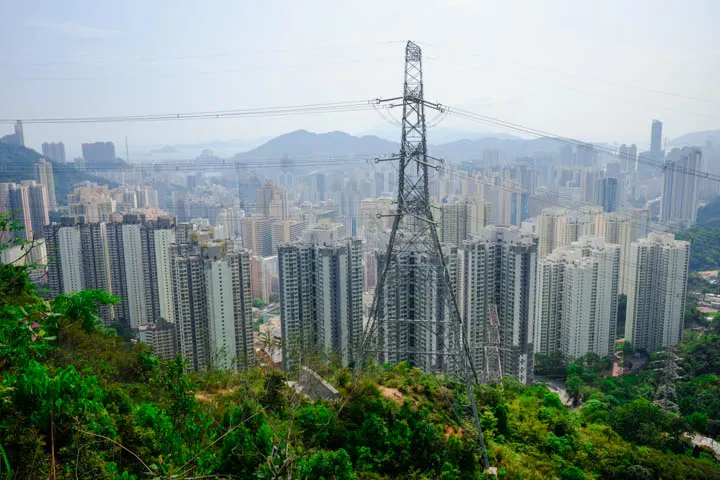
[[79, 401]]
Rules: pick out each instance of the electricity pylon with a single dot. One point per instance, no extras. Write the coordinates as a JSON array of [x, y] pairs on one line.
[[415, 316], [665, 394], [493, 362]]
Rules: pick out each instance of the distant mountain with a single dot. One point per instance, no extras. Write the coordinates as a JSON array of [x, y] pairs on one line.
[[439, 134], [165, 149], [16, 164], [696, 139], [304, 143]]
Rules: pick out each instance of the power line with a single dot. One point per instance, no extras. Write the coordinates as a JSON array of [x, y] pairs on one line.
[[576, 143], [313, 108]]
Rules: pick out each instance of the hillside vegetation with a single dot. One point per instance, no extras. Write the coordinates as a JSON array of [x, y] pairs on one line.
[[704, 243]]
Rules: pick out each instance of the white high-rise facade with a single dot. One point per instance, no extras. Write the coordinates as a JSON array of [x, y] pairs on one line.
[[79, 260], [44, 176], [134, 274], [680, 189], [213, 306], [339, 289], [498, 268], [576, 299], [321, 290], [128, 258], [163, 239], [656, 297], [71, 258], [623, 228], [221, 321], [461, 219], [557, 227]]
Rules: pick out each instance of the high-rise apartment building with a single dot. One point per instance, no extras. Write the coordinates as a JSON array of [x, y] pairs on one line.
[[585, 155], [261, 275], [628, 158], [54, 151], [557, 227], [271, 201], [231, 218], [5, 197], [156, 240], [140, 268], [98, 154], [162, 337], [92, 201], [257, 235], [19, 203], [680, 187], [65, 257], [497, 270], [576, 300], [320, 300], [79, 259], [607, 194], [44, 176], [656, 295], [263, 196], [414, 323], [325, 231], [38, 205], [648, 163], [656, 149], [96, 263], [623, 228], [213, 306], [461, 219], [134, 271], [284, 231]]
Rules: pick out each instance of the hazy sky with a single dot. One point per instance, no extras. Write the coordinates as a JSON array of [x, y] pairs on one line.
[[593, 70]]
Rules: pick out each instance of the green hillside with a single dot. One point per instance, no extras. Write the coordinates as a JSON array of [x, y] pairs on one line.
[[16, 164], [709, 215], [704, 243]]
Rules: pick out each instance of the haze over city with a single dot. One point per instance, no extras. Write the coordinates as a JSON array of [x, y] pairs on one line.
[[588, 70]]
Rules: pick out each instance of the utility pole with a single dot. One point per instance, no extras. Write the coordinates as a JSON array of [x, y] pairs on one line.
[[415, 316]]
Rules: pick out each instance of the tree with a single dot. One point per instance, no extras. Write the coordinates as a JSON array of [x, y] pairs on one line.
[[258, 303], [326, 465], [553, 365], [639, 421], [572, 473], [274, 297], [574, 388]]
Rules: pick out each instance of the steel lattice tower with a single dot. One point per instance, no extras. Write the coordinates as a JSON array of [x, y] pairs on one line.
[[414, 316], [493, 362]]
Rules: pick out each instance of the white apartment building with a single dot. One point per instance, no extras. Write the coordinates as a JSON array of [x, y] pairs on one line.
[[656, 297]]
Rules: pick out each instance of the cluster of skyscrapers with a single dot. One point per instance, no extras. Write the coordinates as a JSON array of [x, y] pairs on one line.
[[537, 249], [183, 290]]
